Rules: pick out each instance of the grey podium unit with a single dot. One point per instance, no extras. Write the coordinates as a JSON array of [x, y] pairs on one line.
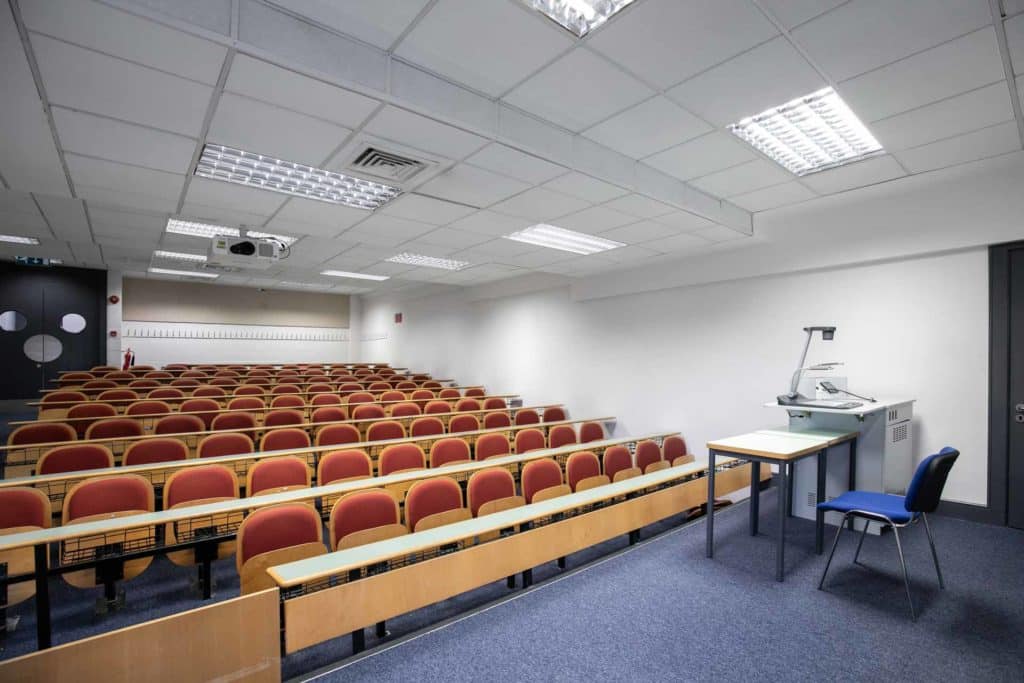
[[885, 454]]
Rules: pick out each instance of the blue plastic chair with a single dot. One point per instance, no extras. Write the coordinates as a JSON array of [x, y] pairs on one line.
[[897, 511]]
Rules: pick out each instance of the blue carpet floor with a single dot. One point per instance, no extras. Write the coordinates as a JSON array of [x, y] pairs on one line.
[[662, 610]]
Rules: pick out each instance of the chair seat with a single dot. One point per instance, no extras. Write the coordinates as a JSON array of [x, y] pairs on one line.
[[884, 504]]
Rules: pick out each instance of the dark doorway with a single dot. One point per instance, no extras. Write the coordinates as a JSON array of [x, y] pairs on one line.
[[1006, 414], [51, 319]]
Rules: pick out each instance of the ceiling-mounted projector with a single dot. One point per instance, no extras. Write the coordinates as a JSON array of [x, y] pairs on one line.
[[244, 252]]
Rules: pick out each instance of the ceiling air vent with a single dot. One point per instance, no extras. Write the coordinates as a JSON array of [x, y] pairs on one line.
[[384, 164]]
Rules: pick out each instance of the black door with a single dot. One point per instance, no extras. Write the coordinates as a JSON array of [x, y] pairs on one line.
[[1015, 414], [51, 319]]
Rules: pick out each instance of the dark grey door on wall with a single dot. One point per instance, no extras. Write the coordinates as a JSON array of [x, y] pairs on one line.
[[51, 319], [1015, 414]]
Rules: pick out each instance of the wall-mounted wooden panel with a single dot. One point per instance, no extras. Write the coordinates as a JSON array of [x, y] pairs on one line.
[[198, 302]]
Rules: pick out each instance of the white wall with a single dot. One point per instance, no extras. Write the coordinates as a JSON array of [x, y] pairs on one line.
[[702, 359]]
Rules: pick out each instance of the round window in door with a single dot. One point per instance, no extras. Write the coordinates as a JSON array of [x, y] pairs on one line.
[[12, 321], [72, 323], [43, 348]]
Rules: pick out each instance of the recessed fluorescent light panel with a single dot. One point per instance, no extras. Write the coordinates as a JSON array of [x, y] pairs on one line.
[[17, 239], [183, 273], [258, 170], [196, 229], [578, 16], [179, 256], [810, 133], [310, 285], [553, 237], [355, 276], [288, 241], [428, 261]]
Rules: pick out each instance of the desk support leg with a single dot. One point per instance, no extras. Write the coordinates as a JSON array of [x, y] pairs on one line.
[[755, 495], [851, 483], [711, 505], [780, 552], [43, 635], [819, 514]]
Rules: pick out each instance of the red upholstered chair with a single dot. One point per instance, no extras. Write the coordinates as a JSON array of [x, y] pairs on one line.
[[529, 440], [332, 434], [360, 397], [209, 392], [22, 508], [287, 401], [449, 452], [65, 396], [401, 457], [246, 403], [233, 421], [206, 409], [249, 390], [261, 382], [101, 498], [350, 387], [618, 464], [144, 384], [397, 396], [449, 392], [223, 382], [379, 386], [284, 439], [648, 457], [148, 408], [554, 414], [166, 393], [406, 410], [103, 369], [406, 385], [217, 445], [274, 475], [178, 424], [193, 374], [317, 388], [491, 445], [422, 395], [467, 404], [475, 392], [196, 486], [184, 383], [463, 423], [275, 535], [326, 400], [282, 418], [427, 382], [142, 368], [674, 451], [343, 465], [527, 416], [175, 366], [496, 420], [118, 395], [583, 471], [437, 408], [362, 372], [591, 431], [75, 457], [41, 432], [226, 373], [542, 479], [495, 403], [98, 384], [154, 450], [426, 426], [561, 435], [434, 502], [368, 411], [364, 517], [77, 377], [384, 430], [492, 490], [285, 389], [158, 374], [114, 428], [328, 414]]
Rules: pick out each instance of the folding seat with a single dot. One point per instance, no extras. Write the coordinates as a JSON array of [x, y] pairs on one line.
[[285, 389], [618, 464], [99, 384], [437, 407], [217, 445], [406, 410], [118, 395], [406, 385], [393, 396], [206, 409], [674, 451], [385, 430], [262, 382], [449, 393], [430, 384], [258, 372], [360, 397], [463, 423], [497, 420], [475, 392], [363, 517], [370, 379], [583, 471], [542, 479], [114, 428], [400, 458], [142, 368], [554, 414], [349, 387], [179, 424], [326, 400], [246, 403], [22, 508], [287, 401], [76, 377], [491, 445], [379, 386], [421, 395], [249, 390], [223, 382], [319, 388], [276, 535], [73, 458], [140, 408], [591, 431], [343, 465], [197, 486], [561, 435], [149, 451], [103, 368], [196, 374], [360, 372], [648, 457], [175, 366], [276, 475], [426, 426], [466, 405], [529, 440], [143, 384], [434, 502], [64, 397], [449, 452], [492, 490], [233, 421], [102, 498], [283, 418], [284, 439], [83, 415], [119, 375], [332, 434], [346, 377], [209, 392], [206, 368], [186, 383], [495, 403], [527, 416], [385, 372], [328, 414], [368, 411], [158, 374], [41, 432]]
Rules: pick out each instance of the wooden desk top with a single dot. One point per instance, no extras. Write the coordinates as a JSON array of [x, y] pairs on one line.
[[780, 444]]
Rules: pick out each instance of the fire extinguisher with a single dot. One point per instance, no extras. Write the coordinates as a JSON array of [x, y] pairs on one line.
[[129, 359]]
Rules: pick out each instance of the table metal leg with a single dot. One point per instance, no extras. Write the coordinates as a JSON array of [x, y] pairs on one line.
[[780, 553], [851, 482], [819, 514], [43, 635], [711, 505], [755, 495]]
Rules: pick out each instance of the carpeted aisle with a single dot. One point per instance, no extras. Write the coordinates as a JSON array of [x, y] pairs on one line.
[[662, 610]]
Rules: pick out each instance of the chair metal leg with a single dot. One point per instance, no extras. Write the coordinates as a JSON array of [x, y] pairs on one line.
[[935, 556], [860, 543], [832, 553], [906, 578]]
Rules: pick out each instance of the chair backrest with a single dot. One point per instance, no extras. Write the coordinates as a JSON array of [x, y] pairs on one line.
[[216, 445], [104, 495], [384, 430], [527, 416], [285, 389], [388, 396], [233, 421], [475, 392], [337, 434], [554, 414], [495, 403], [488, 485], [77, 376], [118, 395], [429, 497], [360, 397], [467, 404], [379, 386], [178, 424], [580, 466], [166, 392], [328, 414], [362, 510], [529, 440], [445, 451], [647, 453], [281, 418], [249, 390], [496, 420], [288, 471], [673, 447], [406, 409], [616, 459], [283, 439], [275, 527], [449, 392], [437, 407], [184, 382], [70, 396], [561, 435], [200, 483], [287, 401], [491, 445], [929, 479], [24, 506], [403, 456], [350, 386], [208, 392], [114, 428], [422, 394], [320, 388], [42, 432], [206, 406], [406, 385], [326, 400], [148, 408], [463, 423], [348, 464], [154, 450], [539, 475], [246, 403], [144, 384], [426, 426], [94, 384], [368, 411]]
